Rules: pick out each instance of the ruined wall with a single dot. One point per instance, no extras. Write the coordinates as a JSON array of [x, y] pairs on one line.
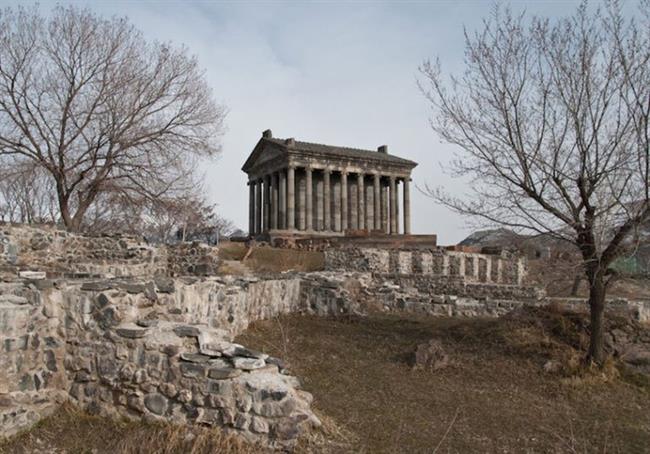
[[502, 268], [160, 349], [64, 254], [32, 348]]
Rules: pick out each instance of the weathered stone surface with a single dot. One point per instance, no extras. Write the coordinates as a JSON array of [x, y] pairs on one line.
[[248, 363], [155, 403], [96, 286], [222, 373], [35, 275], [192, 370], [281, 364], [164, 284], [195, 357], [131, 332], [186, 331]]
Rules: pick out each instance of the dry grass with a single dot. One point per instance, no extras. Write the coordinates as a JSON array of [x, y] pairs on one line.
[[495, 397], [265, 259], [70, 430]]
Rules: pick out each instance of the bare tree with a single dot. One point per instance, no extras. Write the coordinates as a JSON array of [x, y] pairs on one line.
[[551, 120], [27, 194], [179, 216], [100, 109]]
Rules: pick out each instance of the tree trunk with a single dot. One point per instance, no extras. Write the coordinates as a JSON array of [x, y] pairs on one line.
[[596, 352], [576, 285], [65, 214]]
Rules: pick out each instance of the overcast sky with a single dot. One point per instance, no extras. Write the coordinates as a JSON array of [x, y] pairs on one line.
[[340, 73]]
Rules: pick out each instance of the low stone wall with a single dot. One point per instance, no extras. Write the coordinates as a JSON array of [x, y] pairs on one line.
[[162, 348], [502, 268], [64, 254], [159, 349]]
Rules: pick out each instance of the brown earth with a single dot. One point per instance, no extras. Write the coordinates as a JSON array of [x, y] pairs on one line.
[[494, 397], [266, 259]]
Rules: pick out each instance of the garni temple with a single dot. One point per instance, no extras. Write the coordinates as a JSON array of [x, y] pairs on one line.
[[303, 188]]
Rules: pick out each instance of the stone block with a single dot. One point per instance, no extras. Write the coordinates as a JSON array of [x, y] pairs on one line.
[[248, 363], [192, 370], [220, 373]]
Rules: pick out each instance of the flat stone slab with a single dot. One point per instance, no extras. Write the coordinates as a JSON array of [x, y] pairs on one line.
[[223, 373], [14, 299], [32, 274], [186, 331], [131, 332], [195, 357], [248, 363], [97, 286]]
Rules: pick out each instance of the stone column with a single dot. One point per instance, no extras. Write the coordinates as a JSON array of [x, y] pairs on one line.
[[327, 215], [393, 206], [385, 225], [336, 195], [377, 200], [354, 207], [310, 198], [258, 207], [370, 207], [282, 215], [267, 203], [291, 198], [274, 200], [344, 201], [397, 209], [407, 207], [251, 207], [319, 203], [361, 202], [302, 202]]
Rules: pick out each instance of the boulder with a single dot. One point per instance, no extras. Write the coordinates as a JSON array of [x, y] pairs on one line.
[[431, 355]]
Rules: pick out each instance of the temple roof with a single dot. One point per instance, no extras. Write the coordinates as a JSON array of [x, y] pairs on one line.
[[336, 150], [292, 145]]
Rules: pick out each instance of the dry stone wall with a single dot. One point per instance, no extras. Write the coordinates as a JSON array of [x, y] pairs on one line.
[[64, 254], [159, 349], [501, 268]]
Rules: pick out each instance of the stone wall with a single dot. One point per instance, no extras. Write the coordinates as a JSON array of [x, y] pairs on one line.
[[64, 254], [162, 348], [32, 348], [501, 268], [159, 349]]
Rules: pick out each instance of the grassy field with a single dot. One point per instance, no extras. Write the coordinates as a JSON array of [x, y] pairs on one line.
[[495, 397]]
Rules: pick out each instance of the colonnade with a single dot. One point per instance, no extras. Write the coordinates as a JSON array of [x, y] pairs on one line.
[[324, 200]]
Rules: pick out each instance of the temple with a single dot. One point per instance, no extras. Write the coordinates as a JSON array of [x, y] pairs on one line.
[[307, 188]]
